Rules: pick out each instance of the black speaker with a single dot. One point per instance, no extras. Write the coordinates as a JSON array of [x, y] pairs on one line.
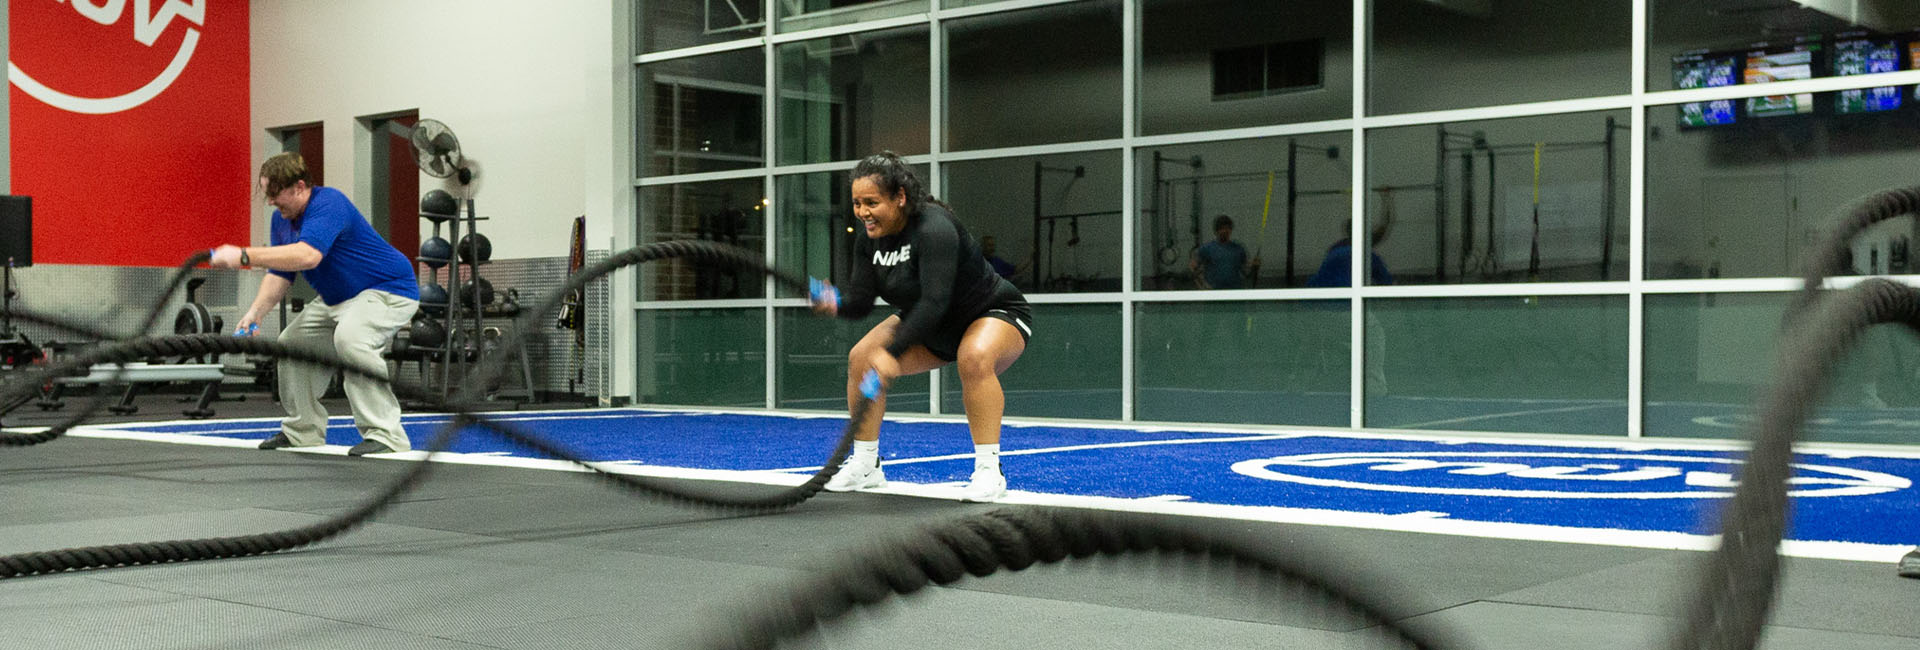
[[16, 230]]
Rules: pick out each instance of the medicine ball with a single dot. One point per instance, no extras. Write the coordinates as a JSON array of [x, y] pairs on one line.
[[475, 249], [433, 299], [467, 290], [427, 333], [438, 203], [436, 252]]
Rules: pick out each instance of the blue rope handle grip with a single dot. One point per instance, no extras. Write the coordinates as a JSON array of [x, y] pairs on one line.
[[870, 385], [822, 293]]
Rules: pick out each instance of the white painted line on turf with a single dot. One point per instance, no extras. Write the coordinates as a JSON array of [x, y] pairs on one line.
[[347, 421], [1496, 416], [1586, 441], [1051, 450]]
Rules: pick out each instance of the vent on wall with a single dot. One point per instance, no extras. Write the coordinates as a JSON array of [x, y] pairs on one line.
[[1270, 69]]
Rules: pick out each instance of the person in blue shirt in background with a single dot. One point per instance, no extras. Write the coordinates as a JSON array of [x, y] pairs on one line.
[[367, 292], [1336, 270], [1222, 263], [988, 248]]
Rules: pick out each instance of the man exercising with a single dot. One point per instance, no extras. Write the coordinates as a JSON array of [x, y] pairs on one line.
[[367, 291]]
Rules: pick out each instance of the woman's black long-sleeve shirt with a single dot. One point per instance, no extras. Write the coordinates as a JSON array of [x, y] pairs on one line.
[[931, 270]]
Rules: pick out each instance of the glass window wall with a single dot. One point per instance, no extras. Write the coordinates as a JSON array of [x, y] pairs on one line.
[[1746, 198], [1711, 356], [731, 212], [1524, 179], [1243, 363], [1035, 76], [674, 24], [844, 97], [1071, 368], [1547, 364], [702, 357], [702, 114], [1532, 199], [1430, 55], [1244, 214], [810, 371], [1053, 220], [1692, 44], [1219, 64], [798, 15]]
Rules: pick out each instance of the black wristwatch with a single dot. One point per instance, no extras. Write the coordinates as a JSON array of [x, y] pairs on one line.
[[244, 260]]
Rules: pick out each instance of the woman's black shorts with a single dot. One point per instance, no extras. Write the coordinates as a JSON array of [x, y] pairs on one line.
[[945, 343]]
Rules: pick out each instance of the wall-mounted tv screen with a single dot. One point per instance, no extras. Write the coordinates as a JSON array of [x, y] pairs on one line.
[[1769, 64], [1865, 56], [1705, 70]]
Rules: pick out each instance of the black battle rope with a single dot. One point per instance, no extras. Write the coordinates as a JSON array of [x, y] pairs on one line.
[[1829, 256], [185, 550], [1016, 538], [977, 546], [1738, 581], [102, 398]]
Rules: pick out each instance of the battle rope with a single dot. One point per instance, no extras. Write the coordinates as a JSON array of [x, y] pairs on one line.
[[1737, 582], [222, 547], [979, 546], [1732, 605], [101, 398], [1016, 538]]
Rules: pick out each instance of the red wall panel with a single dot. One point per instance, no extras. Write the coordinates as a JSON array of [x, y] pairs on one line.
[[130, 127]]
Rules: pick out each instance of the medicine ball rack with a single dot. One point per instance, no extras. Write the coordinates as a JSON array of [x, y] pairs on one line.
[[462, 306]]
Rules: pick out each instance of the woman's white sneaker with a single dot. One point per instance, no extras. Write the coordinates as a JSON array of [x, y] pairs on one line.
[[856, 475], [986, 486]]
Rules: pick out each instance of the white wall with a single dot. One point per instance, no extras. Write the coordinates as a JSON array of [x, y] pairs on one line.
[[525, 85]]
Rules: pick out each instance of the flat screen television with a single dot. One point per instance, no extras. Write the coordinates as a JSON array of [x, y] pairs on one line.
[[1783, 63], [1867, 55], [1701, 69], [1913, 62]]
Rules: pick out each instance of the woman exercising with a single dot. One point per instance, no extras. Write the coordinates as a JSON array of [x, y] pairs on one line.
[[953, 309]]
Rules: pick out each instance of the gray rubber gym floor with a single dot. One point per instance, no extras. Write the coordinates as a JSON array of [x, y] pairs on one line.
[[488, 557]]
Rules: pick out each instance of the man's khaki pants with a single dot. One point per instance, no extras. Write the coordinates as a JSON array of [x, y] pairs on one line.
[[359, 330]]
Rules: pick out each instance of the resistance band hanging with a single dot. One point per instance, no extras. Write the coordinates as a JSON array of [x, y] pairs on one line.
[[1533, 256]]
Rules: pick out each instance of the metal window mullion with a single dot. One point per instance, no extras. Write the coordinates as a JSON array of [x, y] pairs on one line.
[[882, 24], [619, 376], [1000, 7], [1131, 36], [1356, 321], [936, 143], [771, 219], [1636, 228]]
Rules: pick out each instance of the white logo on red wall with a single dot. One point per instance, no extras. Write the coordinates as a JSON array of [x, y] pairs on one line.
[[147, 27]]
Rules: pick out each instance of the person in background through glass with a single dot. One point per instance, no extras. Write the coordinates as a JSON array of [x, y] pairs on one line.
[[1222, 263]]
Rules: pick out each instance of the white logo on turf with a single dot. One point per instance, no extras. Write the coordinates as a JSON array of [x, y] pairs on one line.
[[1551, 475]]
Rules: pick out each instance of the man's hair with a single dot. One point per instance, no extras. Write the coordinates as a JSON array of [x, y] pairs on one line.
[[283, 170], [1222, 220]]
